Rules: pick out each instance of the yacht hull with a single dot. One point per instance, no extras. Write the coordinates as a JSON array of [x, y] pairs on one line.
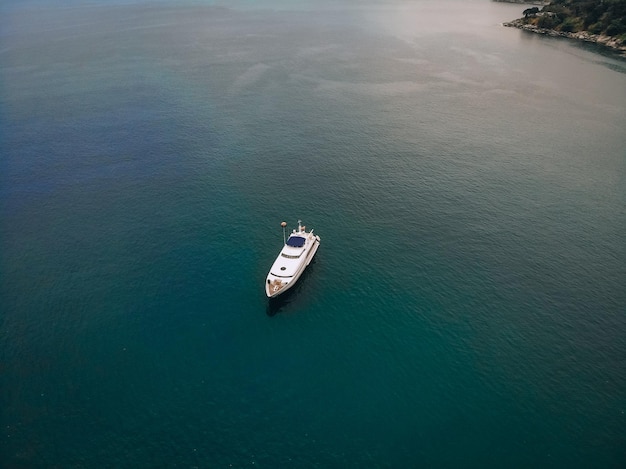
[[296, 255]]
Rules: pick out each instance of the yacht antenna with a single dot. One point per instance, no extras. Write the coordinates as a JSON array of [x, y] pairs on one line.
[[284, 224]]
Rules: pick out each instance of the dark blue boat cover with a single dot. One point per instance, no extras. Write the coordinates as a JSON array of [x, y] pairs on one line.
[[295, 241]]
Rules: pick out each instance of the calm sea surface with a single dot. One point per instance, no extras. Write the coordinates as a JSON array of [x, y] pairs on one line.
[[467, 305]]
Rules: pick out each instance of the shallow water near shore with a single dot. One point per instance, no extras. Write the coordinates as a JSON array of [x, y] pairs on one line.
[[466, 305]]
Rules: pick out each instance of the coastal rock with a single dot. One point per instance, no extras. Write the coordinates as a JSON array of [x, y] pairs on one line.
[[607, 41]]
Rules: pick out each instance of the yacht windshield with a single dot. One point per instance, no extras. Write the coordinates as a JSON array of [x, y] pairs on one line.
[[291, 257], [295, 241]]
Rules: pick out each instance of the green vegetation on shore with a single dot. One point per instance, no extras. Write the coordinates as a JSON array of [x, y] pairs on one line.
[[602, 17]]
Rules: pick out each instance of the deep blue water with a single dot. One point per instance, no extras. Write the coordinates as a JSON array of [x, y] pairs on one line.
[[466, 307]]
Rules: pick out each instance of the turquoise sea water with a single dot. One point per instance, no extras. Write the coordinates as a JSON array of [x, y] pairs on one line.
[[466, 307]]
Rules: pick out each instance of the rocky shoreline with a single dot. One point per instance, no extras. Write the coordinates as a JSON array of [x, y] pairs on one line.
[[607, 41]]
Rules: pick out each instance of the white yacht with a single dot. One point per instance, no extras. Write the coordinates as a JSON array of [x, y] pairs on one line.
[[296, 254]]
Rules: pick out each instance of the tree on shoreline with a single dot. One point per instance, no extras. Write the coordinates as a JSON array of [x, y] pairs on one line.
[[605, 17], [530, 12]]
